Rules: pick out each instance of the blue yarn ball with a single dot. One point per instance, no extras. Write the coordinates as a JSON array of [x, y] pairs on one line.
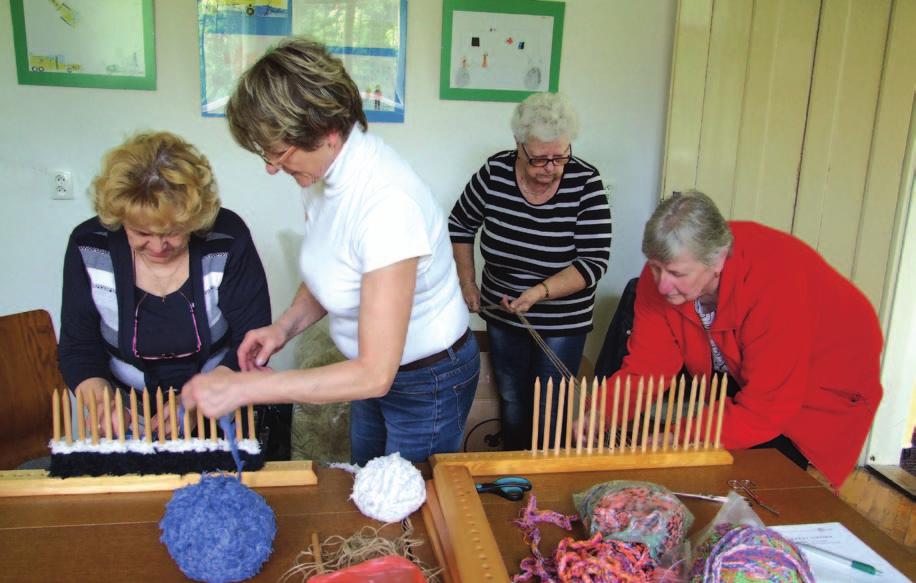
[[218, 530]]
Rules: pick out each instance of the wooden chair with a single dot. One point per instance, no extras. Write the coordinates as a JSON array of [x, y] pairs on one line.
[[29, 373]]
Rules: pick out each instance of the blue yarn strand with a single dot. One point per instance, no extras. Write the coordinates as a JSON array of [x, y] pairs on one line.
[[228, 426]]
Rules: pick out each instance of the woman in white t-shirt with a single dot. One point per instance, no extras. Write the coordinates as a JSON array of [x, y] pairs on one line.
[[376, 259]]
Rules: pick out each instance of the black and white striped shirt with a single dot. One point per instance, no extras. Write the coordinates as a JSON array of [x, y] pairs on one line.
[[523, 244]]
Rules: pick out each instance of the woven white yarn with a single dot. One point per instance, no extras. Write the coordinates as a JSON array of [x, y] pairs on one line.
[[389, 489]]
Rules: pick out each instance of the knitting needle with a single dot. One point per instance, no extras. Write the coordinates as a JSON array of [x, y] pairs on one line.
[[134, 421], [658, 412], [723, 395], [647, 416], [94, 420], [106, 413], [561, 402], [601, 416], [672, 389], [548, 410], [147, 424], [536, 410], [699, 428], [80, 420], [55, 414], [713, 393], [614, 404]]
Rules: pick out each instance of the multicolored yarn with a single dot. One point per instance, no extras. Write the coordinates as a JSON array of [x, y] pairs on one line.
[[598, 560], [537, 564], [748, 554], [639, 512]]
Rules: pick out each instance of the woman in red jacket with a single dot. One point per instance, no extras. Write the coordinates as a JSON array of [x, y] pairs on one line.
[[800, 341]]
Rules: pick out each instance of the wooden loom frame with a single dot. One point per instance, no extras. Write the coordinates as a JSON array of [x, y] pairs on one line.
[[454, 506], [14, 483]]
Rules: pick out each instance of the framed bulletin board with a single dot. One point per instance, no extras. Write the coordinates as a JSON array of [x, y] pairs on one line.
[[500, 50], [109, 44]]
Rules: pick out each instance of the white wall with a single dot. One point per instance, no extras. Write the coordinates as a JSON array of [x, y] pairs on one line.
[[615, 68]]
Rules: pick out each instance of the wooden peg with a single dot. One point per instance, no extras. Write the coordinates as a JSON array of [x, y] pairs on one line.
[[658, 412], [691, 409], [213, 430], [68, 424], [173, 414], [583, 394], [534, 415], [548, 412], [94, 420], [637, 414], [625, 414], [591, 416], [561, 404], [147, 424], [106, 413], [678, 413], [251, 433], [80, 419], [134, 419], [723, 395], [316, 552], [614, 406], [160, 415], [713, 394], [672, 389], [601, 416], [647, 416], [238, 425], [55, 414], [119, 414], [570, 393], [697, 437], [201, 428]]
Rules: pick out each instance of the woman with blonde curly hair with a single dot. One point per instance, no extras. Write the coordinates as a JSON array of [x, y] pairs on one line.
[[162, 283]]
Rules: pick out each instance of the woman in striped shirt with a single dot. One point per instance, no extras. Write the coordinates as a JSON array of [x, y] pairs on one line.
[[545, 241]]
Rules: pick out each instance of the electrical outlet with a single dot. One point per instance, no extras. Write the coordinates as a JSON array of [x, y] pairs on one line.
[[63, 185]]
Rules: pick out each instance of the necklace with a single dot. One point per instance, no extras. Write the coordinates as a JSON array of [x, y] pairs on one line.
[[163, 283]]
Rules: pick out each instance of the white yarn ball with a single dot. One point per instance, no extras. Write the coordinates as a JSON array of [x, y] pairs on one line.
[[389, 489]]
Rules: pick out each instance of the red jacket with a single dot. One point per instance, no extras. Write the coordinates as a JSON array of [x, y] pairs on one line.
[[800, 339]]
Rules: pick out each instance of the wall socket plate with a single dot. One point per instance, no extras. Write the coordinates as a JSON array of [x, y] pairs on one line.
[[62, 185]]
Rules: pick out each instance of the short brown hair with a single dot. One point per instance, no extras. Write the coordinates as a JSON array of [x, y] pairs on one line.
[[158, 180], [297, 94]]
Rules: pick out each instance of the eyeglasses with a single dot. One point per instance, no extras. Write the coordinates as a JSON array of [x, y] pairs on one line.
[[165, 356], [278, 163], [541, 162]]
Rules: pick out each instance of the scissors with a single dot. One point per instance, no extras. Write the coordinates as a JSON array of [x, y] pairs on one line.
[[748, 489], [509, 487]]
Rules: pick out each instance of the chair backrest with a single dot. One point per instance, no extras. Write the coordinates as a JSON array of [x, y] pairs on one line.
[[29, 373]]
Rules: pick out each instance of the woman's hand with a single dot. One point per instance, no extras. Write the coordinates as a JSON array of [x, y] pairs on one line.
[[94, 389], [523, 303], [218, 392], [471, 294], [259, 345]]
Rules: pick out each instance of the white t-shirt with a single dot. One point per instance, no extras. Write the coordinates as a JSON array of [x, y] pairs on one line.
[[370, 211]]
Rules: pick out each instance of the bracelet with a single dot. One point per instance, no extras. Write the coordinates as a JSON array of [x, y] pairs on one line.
[[546, 289]]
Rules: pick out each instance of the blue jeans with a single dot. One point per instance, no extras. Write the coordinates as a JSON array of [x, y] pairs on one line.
[[517, 361], [423, 413]]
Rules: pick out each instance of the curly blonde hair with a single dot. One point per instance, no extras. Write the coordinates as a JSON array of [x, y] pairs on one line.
[[159, 181], [296, 94]]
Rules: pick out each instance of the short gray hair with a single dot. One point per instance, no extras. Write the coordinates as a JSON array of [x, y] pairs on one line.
[[545, 117], [686, 222]]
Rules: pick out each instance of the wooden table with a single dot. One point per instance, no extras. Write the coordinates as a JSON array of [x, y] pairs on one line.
[[115, 537], [798, 497]]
